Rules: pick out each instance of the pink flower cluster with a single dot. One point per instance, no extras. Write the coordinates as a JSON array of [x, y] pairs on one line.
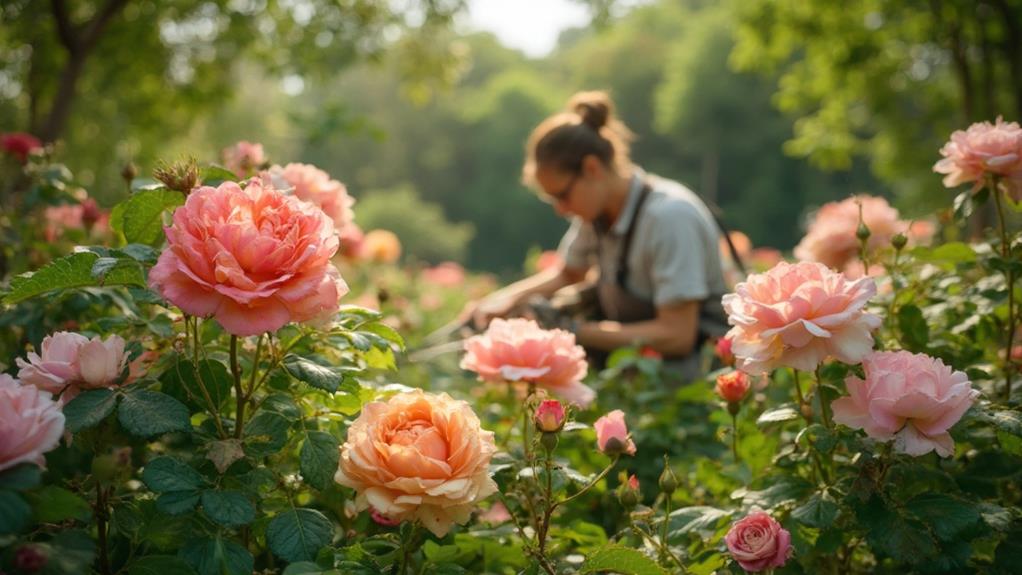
[[31, 423], [513, 350], [984, 148], [797, 315], [70, 362], [912, 399], [252, 257]]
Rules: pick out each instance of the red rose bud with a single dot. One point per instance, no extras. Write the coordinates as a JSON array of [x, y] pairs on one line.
[[649, 352], [20, 145], [549, 416], [90, 212], [723, 351], [732, 386], [30, 559], [628, 493]]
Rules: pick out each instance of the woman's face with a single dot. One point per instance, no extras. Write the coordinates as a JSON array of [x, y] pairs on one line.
[[573, 193]]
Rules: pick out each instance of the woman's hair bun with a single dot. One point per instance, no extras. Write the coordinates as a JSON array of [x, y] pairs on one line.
[[595, 108]]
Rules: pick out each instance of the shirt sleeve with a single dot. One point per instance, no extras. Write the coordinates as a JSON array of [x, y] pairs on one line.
[[679, 256], [578, 246]]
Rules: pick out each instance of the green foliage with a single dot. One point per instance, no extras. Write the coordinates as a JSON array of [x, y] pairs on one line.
[[139, 219], [622, 560], [424, 230], [297, 535], [73, 271]]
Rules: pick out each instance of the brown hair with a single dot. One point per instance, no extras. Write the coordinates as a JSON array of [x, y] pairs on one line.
[[588, 127]]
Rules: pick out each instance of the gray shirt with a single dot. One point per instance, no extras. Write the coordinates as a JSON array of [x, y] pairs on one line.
[[675, 251]]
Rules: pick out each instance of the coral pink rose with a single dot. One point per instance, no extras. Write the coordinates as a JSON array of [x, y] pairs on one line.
[[447, 274], [732, 386], [722, 349], [982, 148], [381, 246], [418, 456], [70, 363], [758, 542], [243, 157], [20, 145], [911, 398], [612, 434], [797, 315], [311, 184], [31, 423], [253, 258], [831, 238], [519, 350]]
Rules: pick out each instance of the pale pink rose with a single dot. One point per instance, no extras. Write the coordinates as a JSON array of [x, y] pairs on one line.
[[549, 416], [381, 246], [831, 238], [983, 148], [243, 157], [253, 258], [758, 542], [732, 386], [496, 514], [519, 350], [101, 362], [447, 274], [797, 315], [311, 184], [612, 434], [549, 259], [70, 363], [911, 398], [31, 423], [418, 456]]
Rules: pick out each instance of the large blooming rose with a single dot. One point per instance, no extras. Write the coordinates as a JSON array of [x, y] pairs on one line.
[[911, 398], [254, 258], [519, 350], [311, 184], [243, 157], [758, 542], [70, 362], [418, 456], [983, 148], [831, 237], [796, 315], [31, 423]]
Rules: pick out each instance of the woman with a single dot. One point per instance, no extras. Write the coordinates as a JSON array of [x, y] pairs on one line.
[[652, 242]]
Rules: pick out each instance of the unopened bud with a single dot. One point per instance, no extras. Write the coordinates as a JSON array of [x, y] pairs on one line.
[[668, 481], [129, 172], [549, 416], [181, 176], [807, 411], [862, 232], [548, 441], [628, 493], [899, 240]]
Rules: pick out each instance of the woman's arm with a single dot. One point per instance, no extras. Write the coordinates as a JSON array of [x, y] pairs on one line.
[[672, 333], [545, 283]]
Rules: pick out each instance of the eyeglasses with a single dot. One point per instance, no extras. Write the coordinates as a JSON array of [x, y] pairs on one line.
[[562, 196]]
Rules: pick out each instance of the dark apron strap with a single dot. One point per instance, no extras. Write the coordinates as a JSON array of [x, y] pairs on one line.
[[622, 264]]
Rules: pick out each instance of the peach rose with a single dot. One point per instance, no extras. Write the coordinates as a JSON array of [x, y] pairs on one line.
[[31, 423], [380, 246], [612, 434], [758, 542], [418, 456], [446, 274], [70, 363], [253, 258], [982, 148], [732, 386], [797, 315], [911, 398], [311, 184], [243, 157], [831, 237], [519, 350]]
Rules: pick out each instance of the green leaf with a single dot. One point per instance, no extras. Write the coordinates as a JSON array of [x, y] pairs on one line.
[[53, 504], [787, 490], [21, 477], [177, 502], [168, 474], [15, 513], [228, 508], [182, 382], [88, 408], [214, 174], [160, 565], [915, 334], [217, 557], [73, 271], [820, 511], [312, 373], [140, 217], [147, 413], [699, 518], [73, 552], [298, 534], [266, 433], [386, 332], [319, 458], [620, 559], [947, 516], [778, 414], [891, 534], [951, 253]]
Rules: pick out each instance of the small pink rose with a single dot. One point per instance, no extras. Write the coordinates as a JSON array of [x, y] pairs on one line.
[[758, 542], [243, 158], [723, 351], [31, 423], [612, 434], [983, 148], [550, 416]]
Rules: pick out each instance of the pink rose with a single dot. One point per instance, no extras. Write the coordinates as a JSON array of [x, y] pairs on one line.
[[254, 258], [549, 416], [982, 148], [351, 241], [797, 315], [447, 274], [496, 514], [71, 363], [243, 157], [31, 423], [732, 386], [911, 398], [311, 184], [831, 238], [20, 145], [381, 246], [722, 349], [381, 519], [418, 456], [612, 434], [758, 542], [519, 350]]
